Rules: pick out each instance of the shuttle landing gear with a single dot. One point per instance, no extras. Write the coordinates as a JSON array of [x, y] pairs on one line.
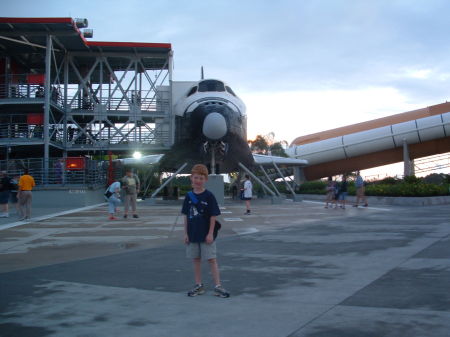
[[217, 151]]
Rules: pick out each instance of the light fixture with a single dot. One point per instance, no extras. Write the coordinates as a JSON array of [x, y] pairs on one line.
[[137, 155]]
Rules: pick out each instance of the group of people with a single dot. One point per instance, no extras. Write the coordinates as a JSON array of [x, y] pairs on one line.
[[337, 192], [127, 189], [16, 190]]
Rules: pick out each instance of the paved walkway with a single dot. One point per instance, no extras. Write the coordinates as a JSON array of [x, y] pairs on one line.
[[294, 269]]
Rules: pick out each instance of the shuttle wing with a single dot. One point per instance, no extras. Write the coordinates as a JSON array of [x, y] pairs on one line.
[[145, 160], [261, 159]]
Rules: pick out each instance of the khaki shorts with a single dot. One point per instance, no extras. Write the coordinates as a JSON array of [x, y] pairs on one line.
[[201, 250]]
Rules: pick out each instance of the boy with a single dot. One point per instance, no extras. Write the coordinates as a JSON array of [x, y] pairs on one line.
[[200, 212], [248, 187]]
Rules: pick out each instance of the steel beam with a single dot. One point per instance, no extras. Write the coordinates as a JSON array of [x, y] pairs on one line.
[[168, 181], [257, 179], [48, 68]]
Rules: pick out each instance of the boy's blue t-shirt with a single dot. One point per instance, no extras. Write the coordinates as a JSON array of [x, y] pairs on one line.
[[198, 219]]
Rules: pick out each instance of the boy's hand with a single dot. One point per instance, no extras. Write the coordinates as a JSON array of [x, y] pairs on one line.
[[209, 239], [186, 239]]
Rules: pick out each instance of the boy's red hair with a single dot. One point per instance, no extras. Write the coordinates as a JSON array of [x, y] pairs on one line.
[[200, 169]]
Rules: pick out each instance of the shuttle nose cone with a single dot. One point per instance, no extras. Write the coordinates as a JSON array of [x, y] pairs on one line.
[[214, 126]]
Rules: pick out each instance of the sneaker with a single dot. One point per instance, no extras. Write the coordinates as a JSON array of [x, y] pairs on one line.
[[112, 218], [197, 290], [366, 205], [125, 216], [221, 292], [247, 213], [135, 216]]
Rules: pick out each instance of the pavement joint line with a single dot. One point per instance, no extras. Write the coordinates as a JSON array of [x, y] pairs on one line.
[[362, 287], [398, 265], [48, 216]]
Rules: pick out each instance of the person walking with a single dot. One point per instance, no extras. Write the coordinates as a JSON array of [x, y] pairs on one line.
[[26, 185], [200, 210], [330, 192], [131, 187], [248, 193], [343, 191], [5, 187], [112, 194], [360, 190]]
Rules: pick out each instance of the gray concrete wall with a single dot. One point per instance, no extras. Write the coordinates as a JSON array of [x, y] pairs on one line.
[[68, 198]]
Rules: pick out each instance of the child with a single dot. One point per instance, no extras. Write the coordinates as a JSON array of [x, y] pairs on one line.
[[200, 210], [247, 193]]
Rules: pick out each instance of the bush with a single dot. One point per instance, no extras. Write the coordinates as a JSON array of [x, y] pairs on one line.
[[388, 187], [313, 187], [405, 189]]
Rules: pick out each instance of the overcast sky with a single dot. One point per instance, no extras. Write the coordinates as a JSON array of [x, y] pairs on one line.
[[300, 66]]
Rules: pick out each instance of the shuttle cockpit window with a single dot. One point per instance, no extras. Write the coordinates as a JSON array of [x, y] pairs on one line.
[[211, 85], [230, 91], [192, 91]]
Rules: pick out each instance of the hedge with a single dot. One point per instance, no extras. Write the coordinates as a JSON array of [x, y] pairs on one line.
[[412, 187]]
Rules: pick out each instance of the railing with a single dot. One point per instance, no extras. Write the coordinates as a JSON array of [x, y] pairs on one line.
[[91, 175], [31, 91], [125, 135], [147, 100], [29, 131], [144, 100], [75, 136], [436, 163]]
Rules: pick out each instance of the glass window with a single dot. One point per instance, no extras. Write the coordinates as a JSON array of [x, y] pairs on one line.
[[192, 91], [211, 85], [230, 91]]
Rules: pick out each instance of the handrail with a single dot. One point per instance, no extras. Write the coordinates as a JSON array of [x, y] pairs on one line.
[[92, 174]]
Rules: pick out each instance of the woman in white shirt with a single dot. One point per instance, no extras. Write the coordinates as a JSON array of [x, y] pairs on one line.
[[247, 193]]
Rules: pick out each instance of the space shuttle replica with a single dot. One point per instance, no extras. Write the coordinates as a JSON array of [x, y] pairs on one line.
[[210, 128]]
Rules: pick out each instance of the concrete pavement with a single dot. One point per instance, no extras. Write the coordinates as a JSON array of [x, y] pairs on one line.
[[294, 269]]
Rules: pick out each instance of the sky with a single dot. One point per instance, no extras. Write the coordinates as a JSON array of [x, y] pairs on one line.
[[300, 66]]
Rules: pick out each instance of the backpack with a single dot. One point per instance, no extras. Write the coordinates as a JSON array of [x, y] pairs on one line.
[[217, 225]]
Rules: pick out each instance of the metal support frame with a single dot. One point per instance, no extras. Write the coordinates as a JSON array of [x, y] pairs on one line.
[[272, 193], [168, 181], [123, 115], [270, 181], [406, 159], [48, 67], [282, 177]]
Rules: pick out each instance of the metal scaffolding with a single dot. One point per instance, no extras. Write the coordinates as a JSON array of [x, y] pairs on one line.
[[61, 95]]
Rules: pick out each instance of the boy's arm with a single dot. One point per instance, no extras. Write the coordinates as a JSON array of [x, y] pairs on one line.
[[212, 224], [186, 237]]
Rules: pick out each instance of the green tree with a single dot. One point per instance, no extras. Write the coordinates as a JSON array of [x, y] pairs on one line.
[[259, 145], [276, 149]]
